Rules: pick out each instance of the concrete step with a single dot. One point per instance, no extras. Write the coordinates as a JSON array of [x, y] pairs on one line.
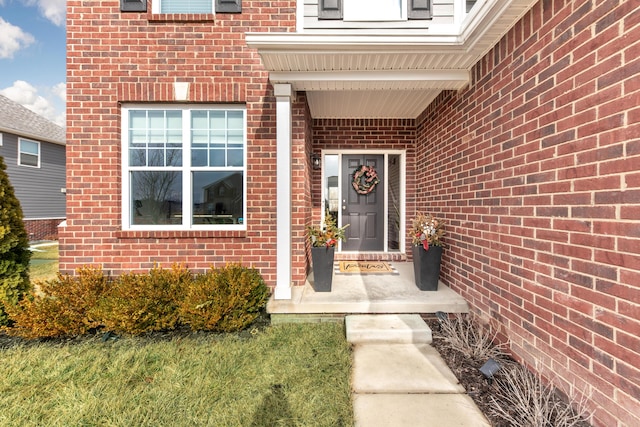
[[387, 328]]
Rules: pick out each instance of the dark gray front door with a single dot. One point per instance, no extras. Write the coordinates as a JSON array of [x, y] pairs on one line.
[[363, 212]]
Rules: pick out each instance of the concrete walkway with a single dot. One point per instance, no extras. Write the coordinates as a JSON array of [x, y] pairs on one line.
[[400, 380]]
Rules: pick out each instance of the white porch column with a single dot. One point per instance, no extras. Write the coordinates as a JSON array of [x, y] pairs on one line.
[[283, 93]]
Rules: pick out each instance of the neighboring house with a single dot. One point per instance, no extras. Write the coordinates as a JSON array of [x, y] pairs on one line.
[[33, 149], [194, 129]]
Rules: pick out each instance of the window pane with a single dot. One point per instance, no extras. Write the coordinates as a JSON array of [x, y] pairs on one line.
[[186, 6], [28, 160], [137, 157], [218, 120], [235, 158], [199, 158], [156, 197], [216, 158], [199, 120], [137, 119], [29, 147], [156, 120], [374, 10], [217, 197], [235, 120]]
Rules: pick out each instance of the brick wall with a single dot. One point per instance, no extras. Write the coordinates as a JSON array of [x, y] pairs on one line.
[[115, 57], [42, 229], [536, 168]]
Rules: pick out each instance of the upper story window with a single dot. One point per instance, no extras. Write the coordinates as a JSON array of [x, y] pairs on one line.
[[184, 167], [196, 6], [374, 10], [29, 153], [183, 6]]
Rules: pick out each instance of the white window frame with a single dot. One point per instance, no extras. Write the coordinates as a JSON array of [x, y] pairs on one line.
[[1, 139], [186, 169], [20, 152], [156, 7], [375, 10]]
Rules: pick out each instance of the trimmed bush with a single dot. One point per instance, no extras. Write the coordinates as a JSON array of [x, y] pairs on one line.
[[62, 307], [14, 248], [139, 303], [225, 299]]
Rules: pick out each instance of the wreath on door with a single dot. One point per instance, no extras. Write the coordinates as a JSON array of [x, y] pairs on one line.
[[365, 179]]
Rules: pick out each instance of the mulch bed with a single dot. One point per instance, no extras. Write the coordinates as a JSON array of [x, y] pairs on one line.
[[481, 390]]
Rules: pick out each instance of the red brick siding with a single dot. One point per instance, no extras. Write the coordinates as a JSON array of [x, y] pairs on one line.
[[42, 229], [115, 57], [535, 167]]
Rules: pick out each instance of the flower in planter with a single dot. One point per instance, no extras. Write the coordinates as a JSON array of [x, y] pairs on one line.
[[427, 231], [328, 234]]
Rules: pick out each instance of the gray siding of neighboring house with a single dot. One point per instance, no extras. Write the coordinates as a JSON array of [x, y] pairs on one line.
[[38, 189]]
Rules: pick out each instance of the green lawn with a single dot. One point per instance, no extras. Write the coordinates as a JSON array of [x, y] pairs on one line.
[[284, 375], [44, 263]]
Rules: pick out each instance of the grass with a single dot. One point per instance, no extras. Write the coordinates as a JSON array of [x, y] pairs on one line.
[[44, 263], [284, 375]]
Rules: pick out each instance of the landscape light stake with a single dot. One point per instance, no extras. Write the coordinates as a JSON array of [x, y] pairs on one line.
[[489, 369]]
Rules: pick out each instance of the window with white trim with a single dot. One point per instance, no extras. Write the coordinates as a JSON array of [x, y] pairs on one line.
[[184, 167], [183, 6], [374, 10], [28, 153]]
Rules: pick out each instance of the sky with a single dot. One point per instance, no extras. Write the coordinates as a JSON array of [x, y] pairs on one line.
[[32, 55]]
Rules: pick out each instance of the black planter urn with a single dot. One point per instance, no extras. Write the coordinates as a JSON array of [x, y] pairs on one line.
[[426, 267], [322, 259]]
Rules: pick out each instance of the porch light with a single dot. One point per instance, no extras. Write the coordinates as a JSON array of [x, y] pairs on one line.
[[315, 161]]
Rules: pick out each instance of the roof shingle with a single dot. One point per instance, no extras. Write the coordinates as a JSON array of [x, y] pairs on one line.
[[14, 118]]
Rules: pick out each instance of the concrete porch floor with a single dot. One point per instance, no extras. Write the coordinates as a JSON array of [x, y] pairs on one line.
[[369, 293]]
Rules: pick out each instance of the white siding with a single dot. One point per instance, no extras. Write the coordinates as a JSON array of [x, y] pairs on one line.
[[442, 15]]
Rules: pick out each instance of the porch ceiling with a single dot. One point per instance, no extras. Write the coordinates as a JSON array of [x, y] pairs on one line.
[[387, 75]]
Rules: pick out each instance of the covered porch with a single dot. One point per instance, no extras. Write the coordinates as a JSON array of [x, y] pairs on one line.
[[365, 293]]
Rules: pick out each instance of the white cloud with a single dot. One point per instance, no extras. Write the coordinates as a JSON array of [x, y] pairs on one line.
[[60, 90], [12, 39], [47, 105], [54, 10]]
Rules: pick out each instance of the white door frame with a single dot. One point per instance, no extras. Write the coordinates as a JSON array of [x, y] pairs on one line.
[[403, 186]]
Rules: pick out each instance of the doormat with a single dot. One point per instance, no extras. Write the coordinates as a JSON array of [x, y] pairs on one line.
[[364, 267]]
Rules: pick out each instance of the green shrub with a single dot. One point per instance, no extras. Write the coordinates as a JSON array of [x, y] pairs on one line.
[[61, 307], [139, 303], [14, 248], [225, 299]]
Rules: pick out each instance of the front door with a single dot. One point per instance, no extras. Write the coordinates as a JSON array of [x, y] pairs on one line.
[[363, 212]]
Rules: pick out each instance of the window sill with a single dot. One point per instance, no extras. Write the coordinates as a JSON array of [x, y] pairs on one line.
[[178, 234], [181, 17]]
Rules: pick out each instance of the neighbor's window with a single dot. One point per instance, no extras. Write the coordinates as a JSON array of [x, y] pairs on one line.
[[184, 168], [29, 153]]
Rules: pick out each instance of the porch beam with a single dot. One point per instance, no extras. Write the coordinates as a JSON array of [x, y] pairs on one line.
[[424, 76], [284, 95]]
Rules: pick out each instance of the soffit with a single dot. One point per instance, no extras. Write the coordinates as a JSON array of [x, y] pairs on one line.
[[401, 70]]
